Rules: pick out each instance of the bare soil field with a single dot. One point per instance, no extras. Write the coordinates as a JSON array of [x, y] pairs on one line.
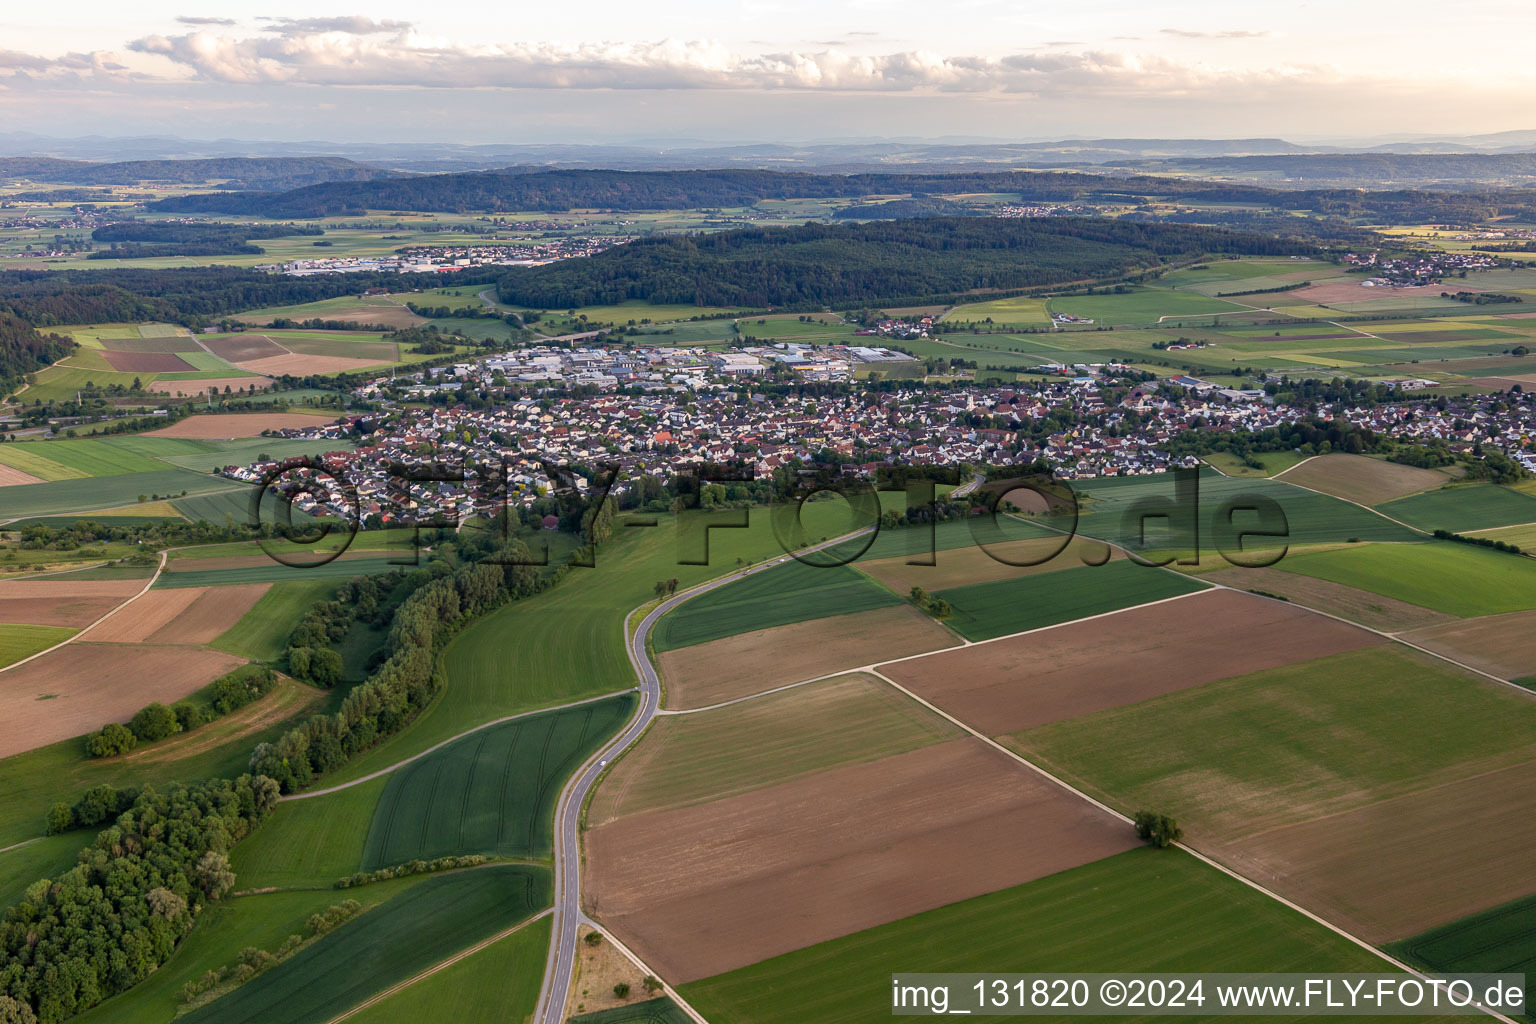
[[240, 424], [55, 611], [385, 316], [690, 759], [147, 362], [1405, 865], [959, 567], [705, 889], [1075, 669], [1351, 290], [739, 666], [1362, 606], [170, 344], [1525, 380], [300, 365], [193, 388], [72, 588], [211, 615], [244, 346], [144, 616], [1357, 478], [80, 687], [9, 476], [1500, 644]]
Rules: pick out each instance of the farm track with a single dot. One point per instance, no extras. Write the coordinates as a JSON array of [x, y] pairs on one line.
[[158, 570]]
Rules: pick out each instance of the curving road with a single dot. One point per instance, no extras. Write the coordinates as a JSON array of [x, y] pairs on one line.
[[567, 910]]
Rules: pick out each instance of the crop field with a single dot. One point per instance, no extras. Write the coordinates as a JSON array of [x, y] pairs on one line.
[[1498, 644], [1071, 670], [1292, 743], [74, 610], [75, 459], [277, 572], [1458, 579], [426, 924], [1468, 507], [232, 504], [1077, 922], [310, 842], [69, 496], [1364, 480], [685, 760], [958, 567], [1362, 606], [1142, 306], [793, 592], [243, 424], [1021, 310], [492, 792], [786, 328], [262, 633], [22, 640], [748, 663], [703, 889], [987, 610], [1310, 518], [652, 1011], [1273, 463], [1499, 940], [496, 985]]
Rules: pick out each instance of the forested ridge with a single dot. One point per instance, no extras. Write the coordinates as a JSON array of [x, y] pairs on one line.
[[880, 261], [24, 349], [137, 239], [240, 172], [559, 190]]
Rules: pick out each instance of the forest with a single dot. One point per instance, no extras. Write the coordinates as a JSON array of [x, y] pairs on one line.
[[282, 172], [23, 349], [561, 190], [135, 239], [880, 261]]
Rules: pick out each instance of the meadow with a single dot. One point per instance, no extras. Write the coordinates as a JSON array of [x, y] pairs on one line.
[[1078, 921], [1463, 508], [72, 496], [18, 641], [793, 592], [1458, 579], [310, 842], [1139, 305], [1292, 743], [420, 927], [492, 792], [987, 610], [1019, 310]]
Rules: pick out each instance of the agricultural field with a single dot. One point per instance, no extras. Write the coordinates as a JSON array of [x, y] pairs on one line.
[[1370, 610], [89, 494], [1363, 480], [271, 571], [262, 633], [240, 424], [492, 792], [22, 640], [1463, 508], [1022, 310], [1497, 644], [1457, 579], [652, 1011], [1497, 940], [309, 842], [793, 592], [1138, 305], [748, 663], [983, 611], [963, 566], [1077, 922], [707, 888], [685, 760], [1270, 463], [413, 931]]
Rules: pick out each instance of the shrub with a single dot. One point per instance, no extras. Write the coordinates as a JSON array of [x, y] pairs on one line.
[[621, 990], [154, 722], [244, 685], [190, 715], [110, 740]]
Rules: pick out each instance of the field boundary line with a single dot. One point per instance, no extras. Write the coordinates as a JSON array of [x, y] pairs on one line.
[[634, 958], [1350, 501], [440, 966], [1037, 769], [158, 570], [769, 693], [452, 739]]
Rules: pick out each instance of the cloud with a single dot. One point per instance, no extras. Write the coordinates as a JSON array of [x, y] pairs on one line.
[[364, 53], [1228, 34], [187, 19]]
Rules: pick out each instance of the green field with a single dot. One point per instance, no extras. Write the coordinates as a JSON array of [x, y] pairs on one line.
[[232, 505], [793, 592], [1097, 917], [424, 925], [19, 641], [224, 929], [48, 857], [262, 633], [1019, 310], [310, 842], [1501, 940], [1273, 462], [80, 457], [54, 498], [277, 572], [492, 792], [652, 1011], [1459, 509], [987, 610], [497, 985], [1293, 743], [1141, 306], [1458, 579]]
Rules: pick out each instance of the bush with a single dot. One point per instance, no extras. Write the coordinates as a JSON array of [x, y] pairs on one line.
[[244, 685], [111, 740], [190, 715], [154, 722], [621, 990], [325, 667]]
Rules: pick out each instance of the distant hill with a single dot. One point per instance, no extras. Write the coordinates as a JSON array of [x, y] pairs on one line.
[[1379, 167], [268, 173]]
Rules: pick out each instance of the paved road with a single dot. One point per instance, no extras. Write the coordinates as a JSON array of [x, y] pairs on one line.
[[567, 910]]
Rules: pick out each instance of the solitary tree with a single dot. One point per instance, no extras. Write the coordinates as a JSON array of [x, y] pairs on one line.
[[1160, 830]]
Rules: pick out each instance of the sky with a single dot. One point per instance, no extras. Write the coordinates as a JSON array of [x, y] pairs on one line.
[[732, 71]]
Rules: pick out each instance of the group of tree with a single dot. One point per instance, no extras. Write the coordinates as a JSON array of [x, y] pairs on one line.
[[935, 606], [153, 722], [137, 239], [104, 925], [24, 350], [1482, 542]]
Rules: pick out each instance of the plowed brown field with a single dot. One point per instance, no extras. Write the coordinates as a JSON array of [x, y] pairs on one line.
[[1075, 669], [705, 889], [300, 365], [739, 666], [195, 388], [134, 623], [1500, 644], [241, 424]]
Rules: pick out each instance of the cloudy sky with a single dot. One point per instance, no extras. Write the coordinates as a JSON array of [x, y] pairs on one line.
[[768, 70]]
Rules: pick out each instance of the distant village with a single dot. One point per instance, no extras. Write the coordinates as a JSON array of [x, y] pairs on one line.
[[662, 412], [418, 259]]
